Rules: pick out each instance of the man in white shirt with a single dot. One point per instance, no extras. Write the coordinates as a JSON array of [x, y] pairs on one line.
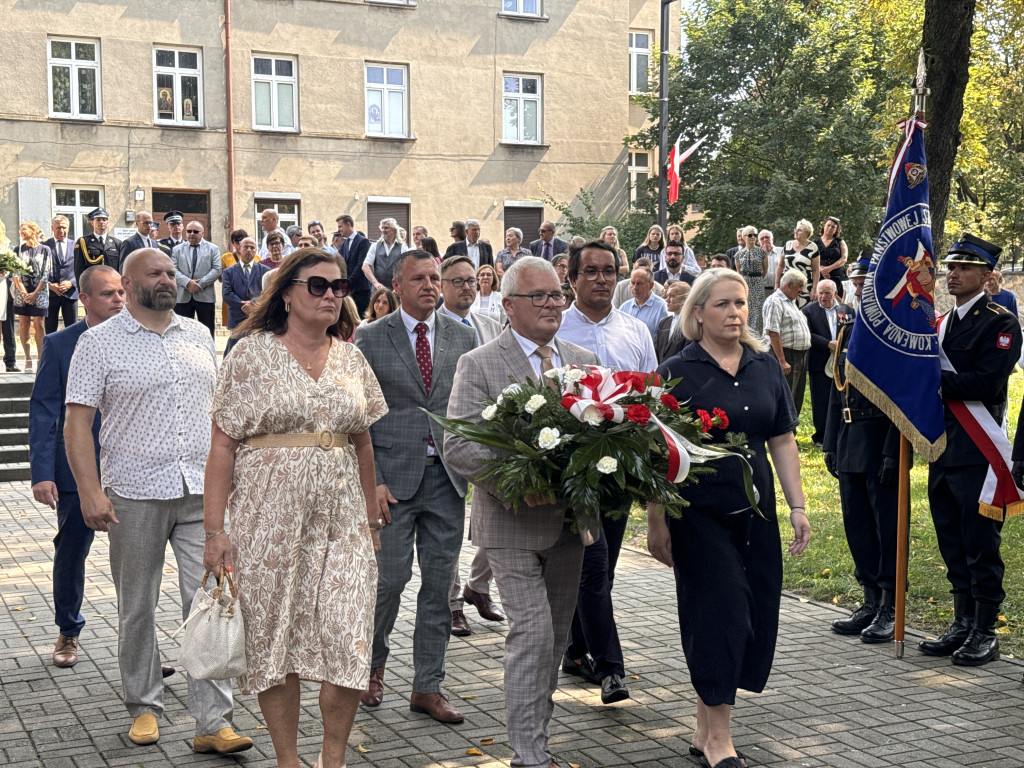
[[645, 306], [479, 252], [151, 374], [823, 320], [622, 342], [271, 222], [767, 241]]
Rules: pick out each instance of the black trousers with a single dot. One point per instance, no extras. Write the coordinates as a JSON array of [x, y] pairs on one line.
[[968, 542], [60, 307], [820, 386], [797, 376], [362, 300], [869, 517], [7, 330], [203, 311], [593, 627]]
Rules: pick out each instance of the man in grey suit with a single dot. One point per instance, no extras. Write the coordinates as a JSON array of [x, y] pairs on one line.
[[413, 353], [197, 265], [458, 286], [535, 556]]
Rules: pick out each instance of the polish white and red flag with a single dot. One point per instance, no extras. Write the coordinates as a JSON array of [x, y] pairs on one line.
[[675, 159]]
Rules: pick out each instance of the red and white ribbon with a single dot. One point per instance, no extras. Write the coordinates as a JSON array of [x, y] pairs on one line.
[[600, 388]]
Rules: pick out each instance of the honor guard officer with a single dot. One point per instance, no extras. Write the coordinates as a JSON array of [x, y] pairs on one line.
[[980, 343], [861, 446], [97, 247], [175, 221]]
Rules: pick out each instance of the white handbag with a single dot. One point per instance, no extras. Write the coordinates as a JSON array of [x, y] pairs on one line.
[[213, 638]]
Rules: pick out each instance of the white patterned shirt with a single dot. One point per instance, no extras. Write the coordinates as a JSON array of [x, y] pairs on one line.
[[154, 392]]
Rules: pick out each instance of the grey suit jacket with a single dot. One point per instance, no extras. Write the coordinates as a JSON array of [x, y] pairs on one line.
[[208, 269], [488, 328], [400, 437], [482, 373]]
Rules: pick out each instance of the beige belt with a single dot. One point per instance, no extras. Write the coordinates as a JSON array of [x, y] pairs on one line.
[[325, 439]]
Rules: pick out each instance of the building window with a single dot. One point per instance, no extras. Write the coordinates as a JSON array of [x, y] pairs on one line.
[[381, 208], [639, 61], [521, 109], [287, 211], [639, 174], [387, 99], [178, 86], [74, 78], [522, 7], [76, 203], [274, 93]]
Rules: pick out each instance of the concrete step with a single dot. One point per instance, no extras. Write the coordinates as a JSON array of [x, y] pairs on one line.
[[13, 437], [13, 454], [16, 385], [13, 404], [10, 473], [14, 421]]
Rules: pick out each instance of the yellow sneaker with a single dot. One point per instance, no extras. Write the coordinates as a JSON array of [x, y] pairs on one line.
[[223, 742], [144, 730]]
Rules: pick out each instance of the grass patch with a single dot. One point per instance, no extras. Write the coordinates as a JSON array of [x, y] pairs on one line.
[[825, 571]]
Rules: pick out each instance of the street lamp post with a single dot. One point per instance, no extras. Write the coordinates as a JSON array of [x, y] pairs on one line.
[[663, 118]]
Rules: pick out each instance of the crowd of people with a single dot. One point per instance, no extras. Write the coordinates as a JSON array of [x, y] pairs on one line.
[[320, 477]]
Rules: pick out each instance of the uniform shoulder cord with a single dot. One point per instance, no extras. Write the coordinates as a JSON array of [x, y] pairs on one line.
[[85, 254], [840, 385]]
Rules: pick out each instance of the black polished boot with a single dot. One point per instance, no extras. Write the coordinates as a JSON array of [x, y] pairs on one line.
[[862, 616], [883, 628], [981, 645], [956, 635]]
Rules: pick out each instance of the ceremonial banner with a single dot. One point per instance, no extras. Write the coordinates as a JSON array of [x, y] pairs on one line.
[[893, 357], [675, 159]]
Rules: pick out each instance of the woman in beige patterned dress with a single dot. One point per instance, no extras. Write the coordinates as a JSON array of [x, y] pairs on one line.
[[291, 462]]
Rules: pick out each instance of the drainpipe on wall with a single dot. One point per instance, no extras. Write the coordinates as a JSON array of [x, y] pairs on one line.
[[230, 115]]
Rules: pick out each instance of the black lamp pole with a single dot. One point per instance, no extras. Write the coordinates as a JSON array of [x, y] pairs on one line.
[[663, 118]]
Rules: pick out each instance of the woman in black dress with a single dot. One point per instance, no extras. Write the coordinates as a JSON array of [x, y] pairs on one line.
[[832, 253], [726, 556], [31, 290]]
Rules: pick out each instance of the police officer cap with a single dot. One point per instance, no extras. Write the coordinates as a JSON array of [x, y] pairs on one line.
[[973, 250], [173, 217], [859, 268], [98, 213]]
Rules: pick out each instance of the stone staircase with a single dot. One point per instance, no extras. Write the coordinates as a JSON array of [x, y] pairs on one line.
[[15, 390]]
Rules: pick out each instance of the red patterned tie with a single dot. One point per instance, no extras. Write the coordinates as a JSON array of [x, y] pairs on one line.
[[425, 363]]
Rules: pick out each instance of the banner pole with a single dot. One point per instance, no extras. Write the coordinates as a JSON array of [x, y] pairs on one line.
[[902, 543]]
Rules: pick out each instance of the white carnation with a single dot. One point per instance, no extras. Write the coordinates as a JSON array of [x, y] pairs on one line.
[[606, 465], [554, 373], [511, 389], [574, 375], [548, 438], [593, 416], [489, 412], [535, 403]]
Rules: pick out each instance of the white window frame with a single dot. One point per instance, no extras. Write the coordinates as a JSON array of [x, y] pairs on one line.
[[518, 8], [78, 213], [274, 80], [634, 170], [522, 98], [635, 51], [177, 72], [75, 66], [386, 90]]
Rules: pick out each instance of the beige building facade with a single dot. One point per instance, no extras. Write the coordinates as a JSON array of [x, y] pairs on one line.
[[429, 110]]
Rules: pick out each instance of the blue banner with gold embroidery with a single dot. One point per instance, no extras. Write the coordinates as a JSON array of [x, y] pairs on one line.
[[893, 356]]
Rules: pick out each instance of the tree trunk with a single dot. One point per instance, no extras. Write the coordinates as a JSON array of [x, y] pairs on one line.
[[948, 26]]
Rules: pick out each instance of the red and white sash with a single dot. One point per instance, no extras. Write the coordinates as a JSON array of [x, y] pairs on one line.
[[1000, 497]]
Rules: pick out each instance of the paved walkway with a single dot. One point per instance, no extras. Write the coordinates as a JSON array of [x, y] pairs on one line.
[[831, 701]]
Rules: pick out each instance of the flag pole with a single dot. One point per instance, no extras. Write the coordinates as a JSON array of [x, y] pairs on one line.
[[920, 92]]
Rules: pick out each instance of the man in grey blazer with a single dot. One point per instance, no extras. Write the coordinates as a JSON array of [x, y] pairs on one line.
[[413, 353], [535, 556], [458, 286], [197, 265]]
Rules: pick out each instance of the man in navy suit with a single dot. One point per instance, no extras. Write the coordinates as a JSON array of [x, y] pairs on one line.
[[63, 293], [52, 482], [353, 248], [824, 317], [547, 246], [243, 283], [477, 250]]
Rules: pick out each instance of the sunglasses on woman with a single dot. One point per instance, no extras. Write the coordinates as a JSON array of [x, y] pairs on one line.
[[317, 286]]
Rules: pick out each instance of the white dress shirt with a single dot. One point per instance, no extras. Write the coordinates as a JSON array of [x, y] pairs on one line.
[[618, 340], [530, 350]]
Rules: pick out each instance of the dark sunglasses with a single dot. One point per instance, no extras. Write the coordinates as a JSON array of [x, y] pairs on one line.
[[317, 286], [314, 223], [194, 231]]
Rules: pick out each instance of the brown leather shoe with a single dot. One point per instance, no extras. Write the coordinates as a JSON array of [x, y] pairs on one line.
[[435, 705], [374, 693], [65, 652], [166, 671], [223, 742], [460, 625], [488, 610]]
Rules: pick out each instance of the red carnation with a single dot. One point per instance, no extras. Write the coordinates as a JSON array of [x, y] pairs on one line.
[[670, 402], [723, 420], [641, 414], [705, 420]]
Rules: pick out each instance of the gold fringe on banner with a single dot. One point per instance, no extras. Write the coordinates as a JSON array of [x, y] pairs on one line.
[[991, 512], [930, 451]]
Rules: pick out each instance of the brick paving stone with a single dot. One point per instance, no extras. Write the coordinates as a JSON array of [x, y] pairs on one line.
[[831, 702]]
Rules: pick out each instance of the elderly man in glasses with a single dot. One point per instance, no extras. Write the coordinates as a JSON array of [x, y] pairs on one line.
[[197, 265]]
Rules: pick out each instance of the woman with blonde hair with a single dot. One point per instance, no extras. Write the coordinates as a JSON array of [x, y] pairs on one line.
[[611, 235], [801, 253], [726, 554], [752, 262], [488, 295], [652, 247], [32, 290]]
